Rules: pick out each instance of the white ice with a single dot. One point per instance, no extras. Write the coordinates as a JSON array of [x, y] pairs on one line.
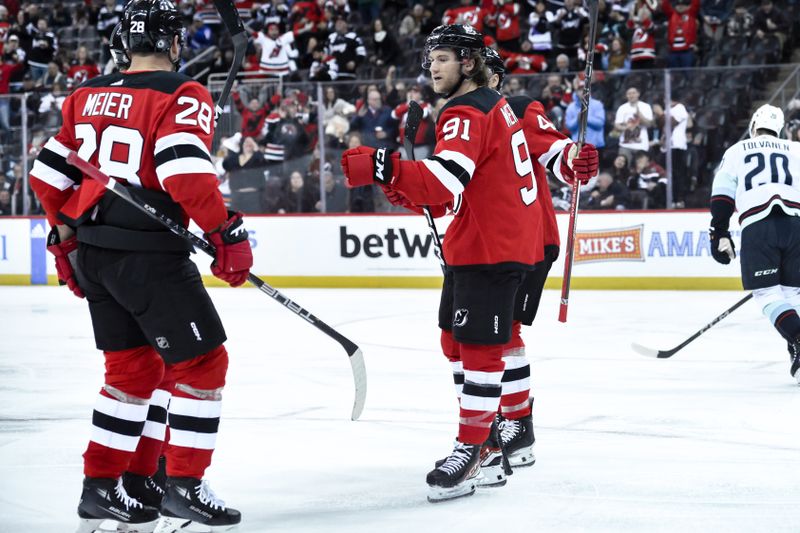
[[705, 441]]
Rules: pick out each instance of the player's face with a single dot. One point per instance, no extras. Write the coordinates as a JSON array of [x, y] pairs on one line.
[[445, 70]]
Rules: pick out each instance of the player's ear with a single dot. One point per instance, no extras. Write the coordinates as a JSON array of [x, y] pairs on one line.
[[468, 66]]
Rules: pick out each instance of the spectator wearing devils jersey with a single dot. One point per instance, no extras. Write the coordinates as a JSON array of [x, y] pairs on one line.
[[150, 129], [82, 69], [506, 21], [276, 51], [481, 161], [466, 14]]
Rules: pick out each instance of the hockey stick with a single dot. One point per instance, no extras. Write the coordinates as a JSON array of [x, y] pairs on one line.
[[412, 125], [354, 352], [233, 23], [582, 120], [663, 354]]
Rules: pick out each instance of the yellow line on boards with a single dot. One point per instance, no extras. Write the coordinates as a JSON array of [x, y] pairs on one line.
[[435, 282]]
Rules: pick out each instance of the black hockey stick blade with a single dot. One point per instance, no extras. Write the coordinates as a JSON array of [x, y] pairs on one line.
[[664, 354], [233, 23], [353, 351], [413, 119]]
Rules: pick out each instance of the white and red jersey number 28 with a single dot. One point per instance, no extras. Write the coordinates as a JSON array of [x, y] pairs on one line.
[[196, 114], [519, 150]]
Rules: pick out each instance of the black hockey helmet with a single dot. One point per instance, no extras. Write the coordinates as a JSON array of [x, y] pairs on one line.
[[148, 26], [495, 63], [118, 54], [463, 39]]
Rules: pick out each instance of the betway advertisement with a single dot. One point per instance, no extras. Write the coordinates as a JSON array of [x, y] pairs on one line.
[[620, 249]]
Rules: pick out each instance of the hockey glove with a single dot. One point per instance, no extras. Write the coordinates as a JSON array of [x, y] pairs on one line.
[[722, 248], [581, 165], [395, 197], [66, 254], [233, 257], [551, 252], [364, 166]]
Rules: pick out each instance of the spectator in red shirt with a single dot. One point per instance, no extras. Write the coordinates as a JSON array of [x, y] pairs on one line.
[[81, 69], [7, 70], [681, 31], [524, 62]]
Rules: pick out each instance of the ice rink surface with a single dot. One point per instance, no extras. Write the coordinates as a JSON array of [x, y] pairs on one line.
[[706, 441]]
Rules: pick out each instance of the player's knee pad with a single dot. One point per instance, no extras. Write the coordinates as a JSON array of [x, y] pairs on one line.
[[135, 371], [482, 357], [792, 295], [203, 376], [772, 301], [450, 347]]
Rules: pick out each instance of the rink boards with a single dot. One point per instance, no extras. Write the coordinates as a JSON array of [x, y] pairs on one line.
[[614, 250]]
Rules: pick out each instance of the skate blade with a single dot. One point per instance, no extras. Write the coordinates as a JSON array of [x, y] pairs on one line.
[[442, 494], [491, 477], [169, 524], [105, 525], [522, 458]]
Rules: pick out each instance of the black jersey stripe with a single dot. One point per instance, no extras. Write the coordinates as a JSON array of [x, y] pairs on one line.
[[459, 172], [59, 163], [117, 425], [193, 423], [180, 151], [515, 374], [458, 378], [156, 413], [482, 391]]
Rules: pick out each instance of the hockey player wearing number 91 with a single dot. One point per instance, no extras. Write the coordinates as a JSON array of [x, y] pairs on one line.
[[482, 171], [150, 129], [760, 178]]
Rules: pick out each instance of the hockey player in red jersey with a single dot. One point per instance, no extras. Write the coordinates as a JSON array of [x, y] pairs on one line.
[[481, 170], [545, 143], [150, 129]]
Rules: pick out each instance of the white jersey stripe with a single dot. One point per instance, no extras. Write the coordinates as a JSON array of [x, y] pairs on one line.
[[51, 176], [447, 179], [176, 139], [465, 162], [114, 440], [124, 411], [195, 408], [190, 439], [54, 146], [184, 165]]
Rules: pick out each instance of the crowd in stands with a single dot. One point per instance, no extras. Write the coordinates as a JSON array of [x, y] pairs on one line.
[[278, 140]]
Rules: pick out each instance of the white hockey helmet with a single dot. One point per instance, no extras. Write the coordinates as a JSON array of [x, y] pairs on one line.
[[767, 117]]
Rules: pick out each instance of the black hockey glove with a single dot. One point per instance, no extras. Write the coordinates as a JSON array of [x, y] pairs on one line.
[[722, 247], [551, 252]]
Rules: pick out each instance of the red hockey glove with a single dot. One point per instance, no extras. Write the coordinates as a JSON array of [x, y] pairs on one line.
[[395, 197], [234, 257], [364, 166], [582, 165], [66, 253]]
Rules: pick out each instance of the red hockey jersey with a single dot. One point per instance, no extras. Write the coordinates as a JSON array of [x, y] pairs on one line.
[[482, 166], [472, 15], [145, 129], [546, 146]]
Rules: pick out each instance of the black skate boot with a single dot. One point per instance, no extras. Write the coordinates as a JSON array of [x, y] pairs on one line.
[[456, 476], [794, 356], [517, 439], [188, 500], [105, 499], [495, 467], [143, 488]]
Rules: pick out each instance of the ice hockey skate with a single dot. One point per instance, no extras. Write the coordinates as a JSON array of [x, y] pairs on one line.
[[105, 506], [457, 475], [518, 439], [143, 488], [495, 467], [190, 505]]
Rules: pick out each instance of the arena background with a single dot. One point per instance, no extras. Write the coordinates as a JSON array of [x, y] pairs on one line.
[[304, 97]]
